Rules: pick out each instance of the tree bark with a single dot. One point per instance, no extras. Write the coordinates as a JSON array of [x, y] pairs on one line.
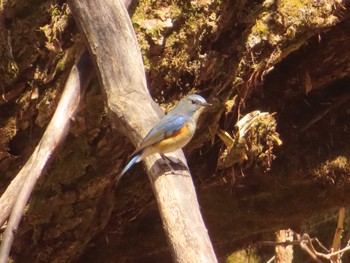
[[284, 254]]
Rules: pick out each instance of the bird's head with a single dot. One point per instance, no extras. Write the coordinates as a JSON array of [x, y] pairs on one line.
[[191, 106]]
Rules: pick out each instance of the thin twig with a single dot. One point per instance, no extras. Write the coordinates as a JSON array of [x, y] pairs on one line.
[[55, 133], [319, 243], [303, 246], [329, 255], [306, 244], [283, 243], [271, 260], [334, 106]]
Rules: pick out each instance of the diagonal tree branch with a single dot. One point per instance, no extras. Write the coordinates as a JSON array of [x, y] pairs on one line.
[[338, 232], [115, 51], [18, 192]]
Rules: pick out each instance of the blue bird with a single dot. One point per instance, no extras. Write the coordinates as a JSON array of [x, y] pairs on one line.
[[172, 132]]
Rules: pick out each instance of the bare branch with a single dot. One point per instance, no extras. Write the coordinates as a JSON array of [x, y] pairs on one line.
[[271, 260], [338, 232], [304, 247], [330, 255], [326, 256], [20, 189], [306, 244]]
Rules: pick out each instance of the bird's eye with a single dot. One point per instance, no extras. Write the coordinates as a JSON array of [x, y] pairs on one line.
[[193, 101]]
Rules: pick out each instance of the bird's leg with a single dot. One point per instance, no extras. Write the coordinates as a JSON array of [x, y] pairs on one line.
[[168, 161], [166, 158]]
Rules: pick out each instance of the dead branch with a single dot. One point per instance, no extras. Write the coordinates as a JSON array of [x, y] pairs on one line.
[[306, 244], [323, 255], [308, 251], [338, 233], [115, 51], [20, 189]]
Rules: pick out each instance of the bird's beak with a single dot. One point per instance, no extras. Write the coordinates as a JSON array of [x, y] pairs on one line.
[[205, 104]]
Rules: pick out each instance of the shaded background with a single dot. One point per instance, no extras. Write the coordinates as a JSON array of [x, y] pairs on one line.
[[288, 57]]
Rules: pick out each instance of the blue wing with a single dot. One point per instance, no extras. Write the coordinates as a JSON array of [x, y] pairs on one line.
[[165, 128]]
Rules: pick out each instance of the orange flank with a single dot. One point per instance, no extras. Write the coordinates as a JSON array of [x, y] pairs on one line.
[[178, 140]]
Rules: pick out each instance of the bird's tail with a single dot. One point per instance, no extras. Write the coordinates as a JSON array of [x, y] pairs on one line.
[[133, 160]]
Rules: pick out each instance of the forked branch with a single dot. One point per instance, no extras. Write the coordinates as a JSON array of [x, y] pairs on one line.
[[18, 192], [116, 54]]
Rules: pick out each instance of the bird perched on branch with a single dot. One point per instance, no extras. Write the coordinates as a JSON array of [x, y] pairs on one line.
[[172, 132]]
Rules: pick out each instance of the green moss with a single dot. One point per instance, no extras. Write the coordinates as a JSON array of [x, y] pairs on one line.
[[292, 8], [261, 28], [280, 22], [253, 143], [12, 71], [54, 30], [25, 99], [8, 131], [8, 67], [335, 171], [61, 65], [279, 28], [243, 256], [171, 38], [47, 104]]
